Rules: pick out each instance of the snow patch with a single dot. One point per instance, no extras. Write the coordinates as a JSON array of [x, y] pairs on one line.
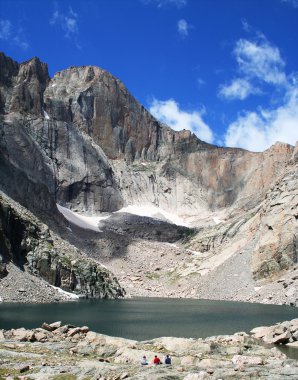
[[86, 222], [216, 220], [65, 293], [195, 253], [154, 212], [92, 222], [46, 116]]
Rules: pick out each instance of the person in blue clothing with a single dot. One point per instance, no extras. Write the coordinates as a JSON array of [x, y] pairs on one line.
[[168, 360]]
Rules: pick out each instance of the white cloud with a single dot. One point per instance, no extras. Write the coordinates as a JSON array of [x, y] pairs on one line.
[[257, 131], [259, 63], [238, 89], [260, 60], [183, 27], [11, 34], [169, 112], [68, 23], [164, 3]]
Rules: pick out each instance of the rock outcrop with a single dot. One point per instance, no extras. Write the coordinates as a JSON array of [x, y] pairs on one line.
[[22, 86], [277, 248], [281, 333], [29, 245]]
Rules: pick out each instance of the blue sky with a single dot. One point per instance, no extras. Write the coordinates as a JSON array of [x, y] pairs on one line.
[[226, 69]]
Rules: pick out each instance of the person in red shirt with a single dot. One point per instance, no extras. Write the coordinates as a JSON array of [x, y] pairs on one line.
[[156, 360]]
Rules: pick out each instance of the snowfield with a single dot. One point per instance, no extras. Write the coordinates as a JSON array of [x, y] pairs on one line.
[[86, 222], [92, 222]]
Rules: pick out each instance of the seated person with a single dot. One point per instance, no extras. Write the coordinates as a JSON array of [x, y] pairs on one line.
[[168, 360], [144, 360], [156, 360]]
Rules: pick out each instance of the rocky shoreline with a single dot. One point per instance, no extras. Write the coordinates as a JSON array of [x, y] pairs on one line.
[[56, 351]]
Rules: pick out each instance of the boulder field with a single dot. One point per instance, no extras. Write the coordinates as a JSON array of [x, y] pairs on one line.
[[57, 351]]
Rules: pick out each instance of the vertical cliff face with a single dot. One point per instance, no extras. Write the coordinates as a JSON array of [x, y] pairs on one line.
[[100, 105], [231, 176]]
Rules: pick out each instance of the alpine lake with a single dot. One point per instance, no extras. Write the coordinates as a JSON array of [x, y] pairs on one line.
[[148, 318]]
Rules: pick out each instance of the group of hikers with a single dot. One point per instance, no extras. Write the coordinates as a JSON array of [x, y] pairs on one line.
[[156, 360]]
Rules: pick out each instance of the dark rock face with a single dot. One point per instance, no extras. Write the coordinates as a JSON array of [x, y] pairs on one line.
[[25, 175], [57, 161]]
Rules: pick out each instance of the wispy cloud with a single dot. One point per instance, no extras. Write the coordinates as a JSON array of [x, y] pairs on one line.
[[257, 131], [239, 88], [246, 26], [165, 3], [260, 60], [201, 82], [183, 27], [5, 29], [170, 113], [12, 34], [68, 23], [294, 3]]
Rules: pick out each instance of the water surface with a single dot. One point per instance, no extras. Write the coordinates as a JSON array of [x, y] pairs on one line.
[[147, 318]]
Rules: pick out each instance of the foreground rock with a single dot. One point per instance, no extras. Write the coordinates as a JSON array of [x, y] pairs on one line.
[[66, 351], [281, 333]]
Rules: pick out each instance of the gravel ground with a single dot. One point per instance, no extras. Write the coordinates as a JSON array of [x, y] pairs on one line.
[[20, 286], [149, 268]]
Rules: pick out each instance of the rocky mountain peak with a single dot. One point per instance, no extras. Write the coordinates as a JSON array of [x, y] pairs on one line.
[[9, 69], [34, 69], [22, 85]]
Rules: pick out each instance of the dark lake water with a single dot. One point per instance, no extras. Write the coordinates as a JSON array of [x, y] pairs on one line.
[[147, 318]]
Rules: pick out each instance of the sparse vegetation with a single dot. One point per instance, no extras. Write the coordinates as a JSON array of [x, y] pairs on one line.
[[153, 275], [64, 377]]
